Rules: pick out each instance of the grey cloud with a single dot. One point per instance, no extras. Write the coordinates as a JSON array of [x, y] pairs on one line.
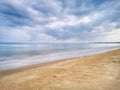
[[61, 19], [13, 16]]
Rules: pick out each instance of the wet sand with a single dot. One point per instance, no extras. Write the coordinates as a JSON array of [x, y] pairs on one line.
[[94, 72]]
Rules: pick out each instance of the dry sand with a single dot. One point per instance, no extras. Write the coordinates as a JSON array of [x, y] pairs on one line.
[[95, 72]]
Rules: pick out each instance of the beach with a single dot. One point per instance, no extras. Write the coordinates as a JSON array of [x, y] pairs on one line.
[[92, 72]]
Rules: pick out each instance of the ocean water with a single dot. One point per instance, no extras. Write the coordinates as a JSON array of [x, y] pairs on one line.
[[18, 55]]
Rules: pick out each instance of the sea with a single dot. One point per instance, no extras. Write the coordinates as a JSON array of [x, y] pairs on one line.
[[16, 55]]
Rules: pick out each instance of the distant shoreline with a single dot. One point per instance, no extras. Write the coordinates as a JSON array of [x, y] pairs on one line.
[[59, 43]]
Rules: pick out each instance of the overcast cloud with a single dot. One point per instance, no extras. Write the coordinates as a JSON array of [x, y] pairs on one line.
[[59, 21]]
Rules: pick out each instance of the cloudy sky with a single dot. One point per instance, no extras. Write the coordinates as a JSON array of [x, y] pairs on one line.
[[59, 21]]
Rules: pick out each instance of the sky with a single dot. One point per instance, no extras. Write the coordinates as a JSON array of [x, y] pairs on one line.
[[59, 21]]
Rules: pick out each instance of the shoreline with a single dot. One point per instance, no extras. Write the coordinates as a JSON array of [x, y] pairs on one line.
[[11, 71], [93, 72], [7, 72], [19, 69], [53, 58]]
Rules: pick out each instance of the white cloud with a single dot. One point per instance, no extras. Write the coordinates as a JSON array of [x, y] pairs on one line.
[[71, 40], [65, 18], [45, 37], [68, 20], [106, 33], [14, 35], [113, 36]]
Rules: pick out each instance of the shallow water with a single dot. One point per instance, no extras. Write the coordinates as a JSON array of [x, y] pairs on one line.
[[19, 55]]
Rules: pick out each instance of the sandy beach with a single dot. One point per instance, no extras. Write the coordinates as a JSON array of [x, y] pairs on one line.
[[94, 72]]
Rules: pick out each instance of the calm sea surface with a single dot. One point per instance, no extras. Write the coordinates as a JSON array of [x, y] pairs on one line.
[[19, 55]]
